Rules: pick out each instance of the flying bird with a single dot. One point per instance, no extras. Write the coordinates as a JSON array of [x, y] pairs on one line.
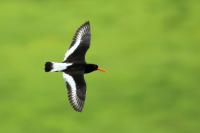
[[74, 67]]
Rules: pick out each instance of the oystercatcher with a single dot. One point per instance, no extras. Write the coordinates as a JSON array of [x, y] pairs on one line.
[[74, 67]]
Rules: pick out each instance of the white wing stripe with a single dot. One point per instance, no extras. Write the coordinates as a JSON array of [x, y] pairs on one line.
[[72, 84], [73, 48], [77, 42]]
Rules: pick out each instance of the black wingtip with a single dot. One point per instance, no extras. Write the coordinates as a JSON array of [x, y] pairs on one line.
[[87, 22], [48, 66]]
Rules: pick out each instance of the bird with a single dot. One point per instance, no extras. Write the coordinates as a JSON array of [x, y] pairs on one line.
[[74, 67]]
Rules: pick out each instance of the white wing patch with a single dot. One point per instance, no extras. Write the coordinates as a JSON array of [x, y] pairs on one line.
[[77, 38], [69, 79]]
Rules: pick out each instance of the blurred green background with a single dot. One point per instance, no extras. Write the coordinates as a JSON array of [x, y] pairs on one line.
[[151, 50]]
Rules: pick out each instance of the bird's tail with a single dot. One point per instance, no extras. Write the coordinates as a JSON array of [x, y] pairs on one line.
[[48, 66], [56, 67]]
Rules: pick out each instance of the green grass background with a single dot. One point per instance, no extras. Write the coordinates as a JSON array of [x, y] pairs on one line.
[[151, 50]]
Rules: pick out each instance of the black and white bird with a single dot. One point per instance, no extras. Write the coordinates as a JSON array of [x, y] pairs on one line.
[[74, 67]]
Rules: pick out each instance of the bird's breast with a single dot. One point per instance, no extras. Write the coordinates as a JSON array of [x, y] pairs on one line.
[[75, 68]]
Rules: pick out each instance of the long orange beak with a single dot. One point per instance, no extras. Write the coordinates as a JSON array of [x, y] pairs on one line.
[[101, 70]]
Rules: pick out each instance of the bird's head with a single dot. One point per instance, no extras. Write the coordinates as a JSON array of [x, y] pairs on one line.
[[92, 67]]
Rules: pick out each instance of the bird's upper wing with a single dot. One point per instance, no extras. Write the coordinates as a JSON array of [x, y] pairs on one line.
[[76, 90], [79, 45]]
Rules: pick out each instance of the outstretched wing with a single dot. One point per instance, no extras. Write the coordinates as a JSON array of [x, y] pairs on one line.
[[79, 45], [76, 90]]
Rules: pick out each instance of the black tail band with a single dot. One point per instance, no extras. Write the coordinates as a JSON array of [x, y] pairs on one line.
[[48, 66]]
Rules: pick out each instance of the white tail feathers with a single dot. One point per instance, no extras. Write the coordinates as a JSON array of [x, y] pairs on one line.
[[56, 67]]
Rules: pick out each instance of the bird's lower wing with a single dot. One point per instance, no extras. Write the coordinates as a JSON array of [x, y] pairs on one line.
[[76, 87]]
